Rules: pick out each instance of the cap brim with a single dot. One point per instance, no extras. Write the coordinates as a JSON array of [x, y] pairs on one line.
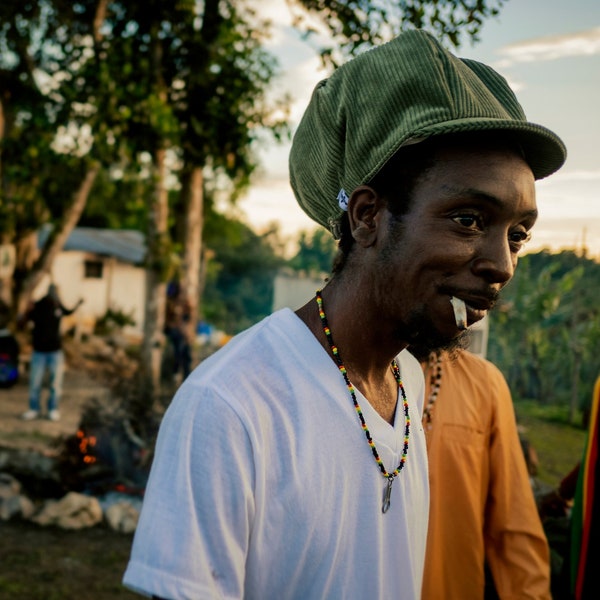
[[543, 150]]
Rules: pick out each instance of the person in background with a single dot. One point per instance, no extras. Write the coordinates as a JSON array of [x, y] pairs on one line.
[[483, 519], [570, 516], [179, 330], [585, 514], [47, 356], [9, 350], [291, 464]]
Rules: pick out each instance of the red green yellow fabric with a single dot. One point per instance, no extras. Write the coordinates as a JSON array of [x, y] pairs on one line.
[[585, 522]]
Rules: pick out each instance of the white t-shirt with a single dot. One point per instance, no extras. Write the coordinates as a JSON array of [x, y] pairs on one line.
[[264, 487]]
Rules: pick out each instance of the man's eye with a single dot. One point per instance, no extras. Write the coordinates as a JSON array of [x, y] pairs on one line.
[[470, 221], [519, 238]]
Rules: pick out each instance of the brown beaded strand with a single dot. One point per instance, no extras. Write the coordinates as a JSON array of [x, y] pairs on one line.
[[435, 382]]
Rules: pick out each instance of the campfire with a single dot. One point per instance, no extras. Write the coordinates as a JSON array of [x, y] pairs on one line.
[[86, 447], [105, 453]]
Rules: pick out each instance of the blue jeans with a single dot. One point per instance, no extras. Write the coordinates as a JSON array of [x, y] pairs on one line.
[[54, 363], [182, 353]]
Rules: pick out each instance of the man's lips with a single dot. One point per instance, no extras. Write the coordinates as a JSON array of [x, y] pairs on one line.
[[469, 309], [478, 303], [475, 314]]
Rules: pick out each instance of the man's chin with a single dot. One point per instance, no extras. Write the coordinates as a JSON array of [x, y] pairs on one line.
[[424, 336], [422, 346]]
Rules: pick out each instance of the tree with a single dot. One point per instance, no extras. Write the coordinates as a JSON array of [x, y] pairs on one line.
[[32, 159], [357, 25], [239, 286], [315, 254], [222, 110], [162, 90], [146, 92], [545, 334]]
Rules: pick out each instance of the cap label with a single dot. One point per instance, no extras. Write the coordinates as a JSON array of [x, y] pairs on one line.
[[342, 199]]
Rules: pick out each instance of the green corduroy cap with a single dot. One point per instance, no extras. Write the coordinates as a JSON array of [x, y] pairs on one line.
[[397, 94]]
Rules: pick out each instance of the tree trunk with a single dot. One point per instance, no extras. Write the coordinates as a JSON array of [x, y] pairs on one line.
[[6, 281], [206, 255], [158, 246], [193, 202], [156, 287], [56, 240]]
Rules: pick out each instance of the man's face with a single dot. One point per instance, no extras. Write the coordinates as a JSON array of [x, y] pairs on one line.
[[470, 215]]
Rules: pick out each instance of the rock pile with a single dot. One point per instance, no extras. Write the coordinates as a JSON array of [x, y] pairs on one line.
[[74, 510]]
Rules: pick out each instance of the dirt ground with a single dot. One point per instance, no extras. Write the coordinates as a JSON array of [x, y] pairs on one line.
[[39, 563], [41, 434]]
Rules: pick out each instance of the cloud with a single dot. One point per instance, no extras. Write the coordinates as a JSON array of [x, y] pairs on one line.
[[571, 177], [560, 233], [583, 43]]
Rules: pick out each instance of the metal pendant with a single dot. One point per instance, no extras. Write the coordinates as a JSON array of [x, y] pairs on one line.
[[387, 495]]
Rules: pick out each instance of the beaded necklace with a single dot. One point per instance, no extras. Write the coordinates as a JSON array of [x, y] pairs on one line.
[[396, 371], [435, 381]]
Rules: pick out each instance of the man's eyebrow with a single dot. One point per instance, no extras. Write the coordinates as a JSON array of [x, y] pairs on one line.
[[476, 194]]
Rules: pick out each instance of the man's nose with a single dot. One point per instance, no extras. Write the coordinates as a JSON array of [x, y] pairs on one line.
[[495, 261]]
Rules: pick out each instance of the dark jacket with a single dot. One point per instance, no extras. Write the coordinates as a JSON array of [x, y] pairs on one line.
[[46, 314]]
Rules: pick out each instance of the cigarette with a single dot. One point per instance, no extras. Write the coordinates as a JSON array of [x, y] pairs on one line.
[[460, 312]]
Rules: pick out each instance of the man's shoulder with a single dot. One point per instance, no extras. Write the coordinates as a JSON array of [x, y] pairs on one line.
[[258, 344], [478, 365], [469, 358]]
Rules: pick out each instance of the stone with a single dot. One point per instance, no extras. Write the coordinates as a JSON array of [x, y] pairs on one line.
[[122, 516], [72, 511], [13, 504]]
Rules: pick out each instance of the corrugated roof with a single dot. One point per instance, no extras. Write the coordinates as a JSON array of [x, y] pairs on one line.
[[127, 245]]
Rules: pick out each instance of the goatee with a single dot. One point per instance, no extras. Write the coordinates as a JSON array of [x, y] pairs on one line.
[[424, 338]]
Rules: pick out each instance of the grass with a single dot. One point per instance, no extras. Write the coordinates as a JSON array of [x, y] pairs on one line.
[[38, 563], [46, 563], [558, 444]]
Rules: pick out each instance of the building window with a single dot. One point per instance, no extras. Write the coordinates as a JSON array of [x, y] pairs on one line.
[[93, 269]]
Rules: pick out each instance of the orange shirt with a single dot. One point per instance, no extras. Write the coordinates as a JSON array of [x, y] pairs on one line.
[[482, 505]]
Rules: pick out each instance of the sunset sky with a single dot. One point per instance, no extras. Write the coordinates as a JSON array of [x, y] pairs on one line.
[[548, 50]]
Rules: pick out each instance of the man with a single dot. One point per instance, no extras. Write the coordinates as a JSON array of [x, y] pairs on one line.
[[292, 463], [9, 350], [46, 315], [178, 329], [482, 509]]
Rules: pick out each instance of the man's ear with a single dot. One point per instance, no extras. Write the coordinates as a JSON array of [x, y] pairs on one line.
[[364, 211]]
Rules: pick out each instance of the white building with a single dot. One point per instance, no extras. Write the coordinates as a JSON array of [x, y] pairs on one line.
[[105, 268]]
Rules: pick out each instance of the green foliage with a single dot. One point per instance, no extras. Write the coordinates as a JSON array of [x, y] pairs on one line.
[[124, 83], [315, 252], [119, 201], [133, 86], [355, 26], [35, 171], [545, 333], [558, 444], [241, 270], [161, 257], [113, 319], [223, 107]]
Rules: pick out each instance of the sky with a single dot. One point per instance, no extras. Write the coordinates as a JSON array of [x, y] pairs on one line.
[[548, 50]]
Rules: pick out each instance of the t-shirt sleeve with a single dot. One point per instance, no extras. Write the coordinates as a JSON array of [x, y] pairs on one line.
[[192, 537]]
